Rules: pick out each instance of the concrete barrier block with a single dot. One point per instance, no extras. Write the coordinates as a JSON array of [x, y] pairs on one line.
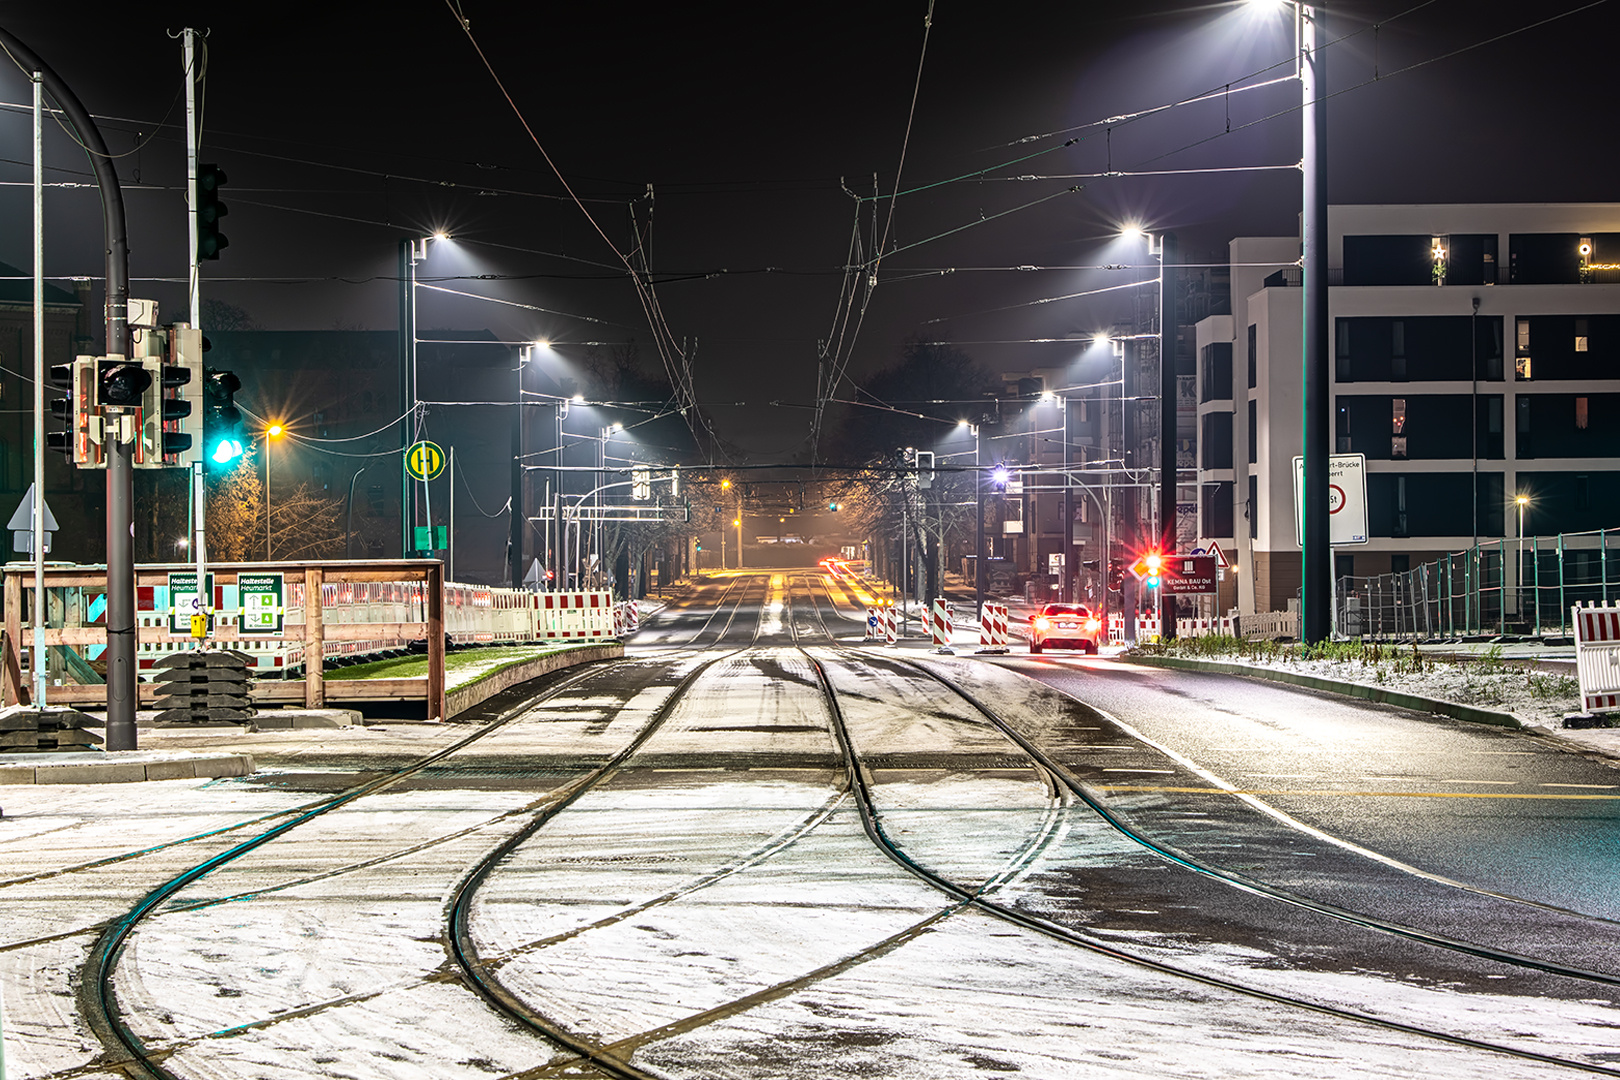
[[16, 774], [230, 765], [107, 772], [171, 770]]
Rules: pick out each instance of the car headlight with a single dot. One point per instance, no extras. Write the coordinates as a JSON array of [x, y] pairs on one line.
[[1043, 624], [1093, 625]]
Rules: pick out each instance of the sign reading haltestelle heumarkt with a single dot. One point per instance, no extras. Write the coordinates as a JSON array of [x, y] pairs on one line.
[[263, 603], [184, 601]]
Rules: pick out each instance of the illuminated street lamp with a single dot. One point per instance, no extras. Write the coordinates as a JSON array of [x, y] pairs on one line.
[[273, 430], [1521, 501]]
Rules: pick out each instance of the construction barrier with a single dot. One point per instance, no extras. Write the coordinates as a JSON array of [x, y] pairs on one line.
[[874, 623], [1202, 627], [993, 625], [891, 626], [1147, 626], [1597, 657], [939, 623]]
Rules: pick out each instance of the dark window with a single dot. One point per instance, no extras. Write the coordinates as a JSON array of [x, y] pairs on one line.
[[1217, 371], [1252, 511], [1420, 427], [1489, 503], [1254, 356], [1544, 258], [1344, 564], [1489, 419], [1420, 504], [1424, 349], [1341, 427], [1254, 432], [1569, 502], [1472, 259], [1216, 437], [1388, 260], [1568, 347], [374, 500], [1218, 510], [1583, 491], [1488, 349], [1400, 564], [1522, 447]]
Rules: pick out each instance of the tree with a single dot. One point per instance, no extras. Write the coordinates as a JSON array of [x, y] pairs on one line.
[[219, 315], [915, 401], [304, 523], [233, 515]]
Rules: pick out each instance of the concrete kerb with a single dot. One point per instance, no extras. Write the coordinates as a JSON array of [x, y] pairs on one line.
[[460, 700], [1379, 694], [134, 766]]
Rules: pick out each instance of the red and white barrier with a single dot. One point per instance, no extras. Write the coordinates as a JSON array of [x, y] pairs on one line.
[[891, 626], [1597, 657], [1147, 626], [874, 623], [939, 623], [574, 616], [993, 625]]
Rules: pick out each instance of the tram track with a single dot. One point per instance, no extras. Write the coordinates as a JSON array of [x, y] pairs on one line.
[[871, 821], [97, 996], [612, 1057]]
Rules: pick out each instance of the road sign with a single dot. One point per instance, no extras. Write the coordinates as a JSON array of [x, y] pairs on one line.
[[22, 525], [1215, 552], [262, 603], [435, 539], [424, 460], [1188, 575], [1347, 499], [184, 601]]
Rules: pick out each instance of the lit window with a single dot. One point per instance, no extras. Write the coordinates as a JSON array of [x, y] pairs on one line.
[[1521, 369], [1398, 417], [1581, 335], [1580, 414]]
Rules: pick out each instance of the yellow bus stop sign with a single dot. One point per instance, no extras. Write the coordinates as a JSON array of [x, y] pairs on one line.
[[424, 460]]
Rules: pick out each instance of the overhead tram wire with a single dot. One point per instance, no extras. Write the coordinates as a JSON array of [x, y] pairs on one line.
[[644, 289], [841, 366]]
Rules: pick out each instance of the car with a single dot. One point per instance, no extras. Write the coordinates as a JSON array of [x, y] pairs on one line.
[[1071, 626]]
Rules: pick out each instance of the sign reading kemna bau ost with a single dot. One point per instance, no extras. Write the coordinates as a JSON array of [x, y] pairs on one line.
[[1347, 499]]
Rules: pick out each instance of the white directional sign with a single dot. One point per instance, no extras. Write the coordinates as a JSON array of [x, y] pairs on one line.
[[1347, 499]]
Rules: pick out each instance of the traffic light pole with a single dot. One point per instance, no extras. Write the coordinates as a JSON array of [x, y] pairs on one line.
[[199, 505], [121, 671]]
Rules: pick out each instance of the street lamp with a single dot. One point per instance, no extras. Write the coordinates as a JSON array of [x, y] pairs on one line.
[[272, 431], [1521, 501], [411, 252]]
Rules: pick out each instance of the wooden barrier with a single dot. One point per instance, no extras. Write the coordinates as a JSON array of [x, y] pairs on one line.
[[310, 638]]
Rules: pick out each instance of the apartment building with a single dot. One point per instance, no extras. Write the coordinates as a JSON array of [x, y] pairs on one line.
[[1475, 359]]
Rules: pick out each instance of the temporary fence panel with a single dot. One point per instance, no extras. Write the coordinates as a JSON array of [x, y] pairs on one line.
[[1597, 656]]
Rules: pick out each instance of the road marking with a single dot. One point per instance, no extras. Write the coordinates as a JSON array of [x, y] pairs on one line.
[[1601, 787], [1502, 783], [1285, 776], [1161, 772], [1359, 794]]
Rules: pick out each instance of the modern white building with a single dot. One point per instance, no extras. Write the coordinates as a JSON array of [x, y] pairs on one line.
[[1476, 359]]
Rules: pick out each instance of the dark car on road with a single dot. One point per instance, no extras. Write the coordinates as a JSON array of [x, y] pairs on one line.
[[1071, 626]]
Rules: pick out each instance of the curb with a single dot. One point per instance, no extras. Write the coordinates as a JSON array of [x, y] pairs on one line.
[[120, 768], [467, 697], [1397, 698]]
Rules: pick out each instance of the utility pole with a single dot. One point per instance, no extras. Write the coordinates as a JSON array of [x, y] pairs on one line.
[[1168, 255], [199, 506], [1316, 569], [41, 606], [121, 670]]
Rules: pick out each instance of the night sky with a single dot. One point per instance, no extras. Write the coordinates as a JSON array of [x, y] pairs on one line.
[[346, 127]]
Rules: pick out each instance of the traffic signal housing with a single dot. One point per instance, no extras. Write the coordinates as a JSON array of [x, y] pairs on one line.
[[222, 422], [210, 178], [62, 399], [163, 410]]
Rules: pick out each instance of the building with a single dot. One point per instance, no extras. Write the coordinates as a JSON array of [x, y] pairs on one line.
[[1426, 305]]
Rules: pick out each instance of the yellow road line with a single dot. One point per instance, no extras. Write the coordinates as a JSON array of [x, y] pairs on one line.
[[1366, 794]]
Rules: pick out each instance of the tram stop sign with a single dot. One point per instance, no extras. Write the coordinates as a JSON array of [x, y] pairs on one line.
[[424, 460]]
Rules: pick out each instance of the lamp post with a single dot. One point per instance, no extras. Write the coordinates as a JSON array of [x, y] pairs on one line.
[[348, 525], [411, 252], [1521, 502], [272, 431]]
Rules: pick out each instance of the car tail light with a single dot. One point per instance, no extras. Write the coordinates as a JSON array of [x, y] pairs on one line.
[[1042, 623], [1093, 625]]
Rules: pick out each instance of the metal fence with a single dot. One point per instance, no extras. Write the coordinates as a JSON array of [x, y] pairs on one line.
[[1521, 586]]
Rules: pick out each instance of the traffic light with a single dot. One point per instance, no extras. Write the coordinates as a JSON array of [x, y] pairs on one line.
[[122, 382], [222, 423], [1154, 564], [210, 178], [925, 468], [163, 408], [62, 409]]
